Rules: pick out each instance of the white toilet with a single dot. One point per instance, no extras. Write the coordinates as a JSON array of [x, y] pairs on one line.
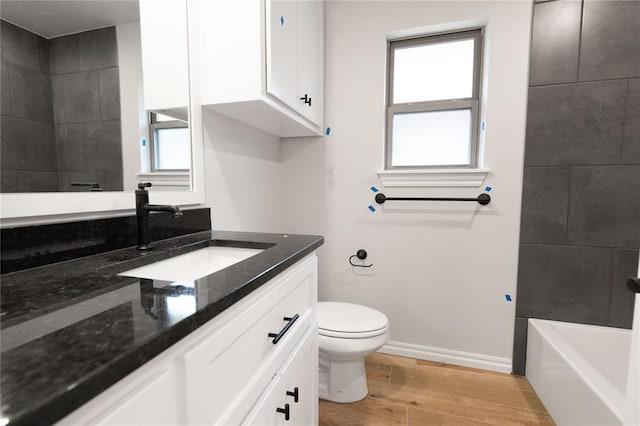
[[348, 333]]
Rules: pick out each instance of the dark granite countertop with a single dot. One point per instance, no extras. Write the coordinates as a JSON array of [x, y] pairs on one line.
[[72, 329]]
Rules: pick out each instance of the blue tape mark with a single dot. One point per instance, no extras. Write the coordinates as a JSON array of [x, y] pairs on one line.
[[488, 189], [374, 189], [508, 297], [144, 142], [327, 131], [281, 20], [373, 209], [483, 125]]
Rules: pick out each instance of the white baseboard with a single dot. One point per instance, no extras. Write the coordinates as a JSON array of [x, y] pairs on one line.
[[447, 356]]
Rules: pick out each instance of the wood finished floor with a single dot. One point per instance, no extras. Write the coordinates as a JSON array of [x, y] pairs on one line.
[[407, 391]]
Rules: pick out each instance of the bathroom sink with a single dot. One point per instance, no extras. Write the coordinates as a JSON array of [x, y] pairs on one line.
[[193, 265]]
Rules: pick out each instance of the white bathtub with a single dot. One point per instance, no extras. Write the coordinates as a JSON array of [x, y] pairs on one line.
[[579, 371]]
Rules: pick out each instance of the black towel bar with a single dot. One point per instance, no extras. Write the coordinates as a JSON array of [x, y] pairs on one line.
[[483, 199]]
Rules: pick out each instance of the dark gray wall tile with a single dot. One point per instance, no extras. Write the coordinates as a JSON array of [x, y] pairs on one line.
[[70, 146], [30, 94], [43, 53], [545, 203], [57, 94], [60, 132], [8, 181], [50, 147], [610, 40], [19, 46], [621, 300], [64, 55], [631, 143], [82, 97], [604, 208], [103, 147], [11, 155], [112, 181], [555, 42], [98, 49], [575, 124], [564, 283], [23, 145], [520, 346], [6, 89], [109, 94], [29, 181], [35, 155]]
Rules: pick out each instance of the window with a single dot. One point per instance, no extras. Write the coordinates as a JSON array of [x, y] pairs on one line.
[[432, 103], [170, 143]]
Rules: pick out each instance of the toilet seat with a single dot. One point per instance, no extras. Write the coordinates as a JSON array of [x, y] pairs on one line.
[[350, 321]]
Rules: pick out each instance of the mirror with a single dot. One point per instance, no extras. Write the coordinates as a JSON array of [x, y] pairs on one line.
[[174, 24], [84, 107]]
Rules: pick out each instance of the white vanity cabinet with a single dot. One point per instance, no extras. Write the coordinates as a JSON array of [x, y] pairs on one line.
[[262, 63], [229, 370]]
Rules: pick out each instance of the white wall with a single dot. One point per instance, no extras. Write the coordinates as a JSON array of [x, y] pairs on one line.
[[441, 270], [243, 176]]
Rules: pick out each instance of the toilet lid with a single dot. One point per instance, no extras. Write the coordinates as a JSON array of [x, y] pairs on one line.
[[337, 319]]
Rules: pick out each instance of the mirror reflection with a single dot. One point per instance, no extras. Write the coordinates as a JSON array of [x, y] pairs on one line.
[[73, 101]]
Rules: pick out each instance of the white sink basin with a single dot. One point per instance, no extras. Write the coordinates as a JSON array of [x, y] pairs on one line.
[[193, 265]]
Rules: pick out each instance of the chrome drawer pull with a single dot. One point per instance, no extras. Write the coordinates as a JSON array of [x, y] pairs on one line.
[[280, 335]]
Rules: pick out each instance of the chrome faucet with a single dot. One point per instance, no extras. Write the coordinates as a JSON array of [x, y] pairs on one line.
[[143, 208]]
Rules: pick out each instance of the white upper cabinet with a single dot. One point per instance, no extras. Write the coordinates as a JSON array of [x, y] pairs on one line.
[[262, 63]]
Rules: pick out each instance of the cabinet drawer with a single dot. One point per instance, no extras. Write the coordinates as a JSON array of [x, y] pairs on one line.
[[292, 397], [229, 369]]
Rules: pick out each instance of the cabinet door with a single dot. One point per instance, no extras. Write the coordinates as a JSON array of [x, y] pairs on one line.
[[154, 404], [299, 383], [281, 50], [264, 412], [292, 396], [311, 60], [150, 398]]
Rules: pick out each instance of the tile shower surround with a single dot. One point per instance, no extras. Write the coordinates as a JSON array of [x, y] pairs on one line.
[[60, 111], [28, 149], [580, 227]]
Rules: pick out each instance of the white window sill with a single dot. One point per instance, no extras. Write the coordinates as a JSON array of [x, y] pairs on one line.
[[172, 179], [433, 178]]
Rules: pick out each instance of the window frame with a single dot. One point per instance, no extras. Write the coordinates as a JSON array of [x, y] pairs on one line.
[[472, 103], [154, 125]]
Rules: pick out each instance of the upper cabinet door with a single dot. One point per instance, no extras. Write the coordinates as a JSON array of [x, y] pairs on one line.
[[311, 59], [271, 75], [282, 48]]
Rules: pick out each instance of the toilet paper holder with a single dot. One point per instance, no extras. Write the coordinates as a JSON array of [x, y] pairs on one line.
[[360, 254]]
